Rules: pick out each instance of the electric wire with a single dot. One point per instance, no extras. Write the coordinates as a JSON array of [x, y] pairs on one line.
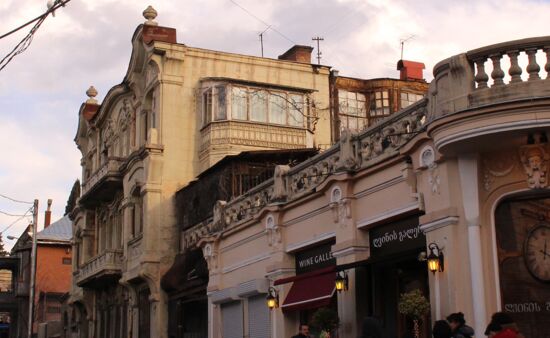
[[14, 200], [263, 22], [27, 40], [17, 220], [11, 215]]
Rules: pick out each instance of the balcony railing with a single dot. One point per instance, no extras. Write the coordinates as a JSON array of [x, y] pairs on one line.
[[106, 265], [108, 171]]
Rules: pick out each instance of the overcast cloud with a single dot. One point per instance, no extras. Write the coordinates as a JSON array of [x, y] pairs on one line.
[[88, 42]]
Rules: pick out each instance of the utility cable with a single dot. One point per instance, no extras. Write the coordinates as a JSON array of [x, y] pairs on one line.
[[262, 21], [14, 200], [17, 220], [11, 215], [27, 40]]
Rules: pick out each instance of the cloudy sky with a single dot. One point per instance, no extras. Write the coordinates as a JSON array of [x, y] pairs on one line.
[[88, 42]]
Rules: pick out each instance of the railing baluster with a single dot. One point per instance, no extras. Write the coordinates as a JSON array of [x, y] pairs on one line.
[[497, 74], [481, 77], [547, 65], [515, 70], [533, 68]]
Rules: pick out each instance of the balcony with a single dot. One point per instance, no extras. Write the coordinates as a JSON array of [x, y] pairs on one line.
[[103, 269], [100, 185], [489, 94], [221, 138]]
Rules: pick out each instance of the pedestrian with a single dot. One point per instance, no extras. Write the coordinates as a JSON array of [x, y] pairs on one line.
[[371, 328], [492, 329], [459, 327], [303, 331], [442, 329], [509, 328]]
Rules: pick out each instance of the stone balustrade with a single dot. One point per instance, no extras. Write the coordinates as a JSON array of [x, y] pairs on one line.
[[109, 168], [503, 72], [353, 152], [108, 262]]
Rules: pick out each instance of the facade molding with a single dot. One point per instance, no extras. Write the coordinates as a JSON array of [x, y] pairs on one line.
[[290, 248], [246, 262], [388, 214], [439, 223]]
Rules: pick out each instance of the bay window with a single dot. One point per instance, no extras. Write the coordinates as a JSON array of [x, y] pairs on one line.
[[380, 103], [352, 110]]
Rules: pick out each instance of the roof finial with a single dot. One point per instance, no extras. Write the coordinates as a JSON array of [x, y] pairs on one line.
[[150, 14], [92, 93]]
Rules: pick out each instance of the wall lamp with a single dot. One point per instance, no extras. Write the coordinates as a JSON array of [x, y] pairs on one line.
[[341, 282], [272, 298], [436, 261]]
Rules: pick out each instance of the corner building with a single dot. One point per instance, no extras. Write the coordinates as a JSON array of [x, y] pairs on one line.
[[177, 112], [462, 173]]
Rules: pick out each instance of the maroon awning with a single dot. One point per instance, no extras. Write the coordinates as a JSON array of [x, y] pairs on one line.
[[309, 293]]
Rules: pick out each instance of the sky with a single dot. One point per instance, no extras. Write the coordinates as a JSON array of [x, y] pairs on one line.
[[88, 43]]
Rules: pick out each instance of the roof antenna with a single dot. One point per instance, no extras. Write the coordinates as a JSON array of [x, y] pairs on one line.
[[402, 41], [317, 38], [262, 39]]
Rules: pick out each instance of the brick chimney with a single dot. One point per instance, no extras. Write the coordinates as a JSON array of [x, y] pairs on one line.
[[298, 53], [90, 106], [410, 70], [48, 214], [153, 32]]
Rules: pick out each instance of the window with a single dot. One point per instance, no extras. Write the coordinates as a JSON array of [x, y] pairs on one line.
[[207, 106], [296, 112], [258, 106], [352, 109], [239, 103], [380, 103], [67, 261], [221, 108], [409, 98], [277, 108]]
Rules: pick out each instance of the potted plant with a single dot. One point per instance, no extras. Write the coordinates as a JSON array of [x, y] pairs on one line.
[[326, 320], [414, 305]]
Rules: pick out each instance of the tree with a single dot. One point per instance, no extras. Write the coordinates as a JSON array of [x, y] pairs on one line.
[[3, 251], [75, 194]]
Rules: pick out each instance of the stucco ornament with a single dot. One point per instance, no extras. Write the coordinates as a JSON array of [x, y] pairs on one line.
[[433, 178], [497, 166], [274, 235], [219, 221], [347, 151], [534, 159], [210, 254], [280, 191], [340, 206], [125, 115]]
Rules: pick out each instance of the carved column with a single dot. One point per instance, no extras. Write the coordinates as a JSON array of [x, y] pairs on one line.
[[497, 74], [533, 67], [481, 77], [515, 70]]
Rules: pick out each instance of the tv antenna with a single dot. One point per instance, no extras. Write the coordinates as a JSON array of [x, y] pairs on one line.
[[318, 39], [262, 39], [402, 42]]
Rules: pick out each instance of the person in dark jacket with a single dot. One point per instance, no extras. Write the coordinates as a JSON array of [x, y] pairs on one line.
[[442, 329], [303, 332], [371, 328], [459, 327]]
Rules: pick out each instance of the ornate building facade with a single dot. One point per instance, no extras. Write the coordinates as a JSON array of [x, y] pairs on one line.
[[459, 177]]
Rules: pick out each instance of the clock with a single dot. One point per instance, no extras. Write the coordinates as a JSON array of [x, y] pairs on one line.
[[536, 252]]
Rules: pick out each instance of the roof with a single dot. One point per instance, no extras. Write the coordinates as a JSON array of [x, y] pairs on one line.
[[59, 231]]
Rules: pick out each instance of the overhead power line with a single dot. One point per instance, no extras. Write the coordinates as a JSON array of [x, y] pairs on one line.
[[17, 220], [27, 40], [269, 26], [14, 200]]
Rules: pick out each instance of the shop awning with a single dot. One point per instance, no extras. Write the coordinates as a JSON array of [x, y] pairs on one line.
[[314, 291]]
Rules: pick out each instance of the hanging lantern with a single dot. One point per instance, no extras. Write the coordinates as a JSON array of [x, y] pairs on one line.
[[272, 298], [435, 260], [341, 282]]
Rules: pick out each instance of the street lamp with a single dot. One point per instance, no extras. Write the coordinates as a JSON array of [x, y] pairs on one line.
[[435, 260], [272, 298], [341, 282]]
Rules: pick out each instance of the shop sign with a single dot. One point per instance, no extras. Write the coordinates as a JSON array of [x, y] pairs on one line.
[[314, 258], [396, 237]]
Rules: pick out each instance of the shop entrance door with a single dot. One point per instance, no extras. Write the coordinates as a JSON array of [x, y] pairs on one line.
[[389, 280]]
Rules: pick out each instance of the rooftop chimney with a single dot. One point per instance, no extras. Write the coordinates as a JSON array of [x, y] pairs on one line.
[[48, 214], [410, 70], [298, 53], [153, 32]]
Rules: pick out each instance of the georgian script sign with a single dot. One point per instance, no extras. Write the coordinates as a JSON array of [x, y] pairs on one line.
[[396, 237], [314, 258]]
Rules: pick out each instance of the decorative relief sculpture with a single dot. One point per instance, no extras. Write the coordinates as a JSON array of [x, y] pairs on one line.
[[497, 166], [210, 255], [280, 191], [347, 151], [274, 235], [433, 178], [218, 222], [535, 158]]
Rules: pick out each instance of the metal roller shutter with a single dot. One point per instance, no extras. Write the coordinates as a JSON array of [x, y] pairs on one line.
[[232, 320], [259, 324]]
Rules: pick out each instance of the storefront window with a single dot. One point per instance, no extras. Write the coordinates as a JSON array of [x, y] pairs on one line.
[[523, 246]]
